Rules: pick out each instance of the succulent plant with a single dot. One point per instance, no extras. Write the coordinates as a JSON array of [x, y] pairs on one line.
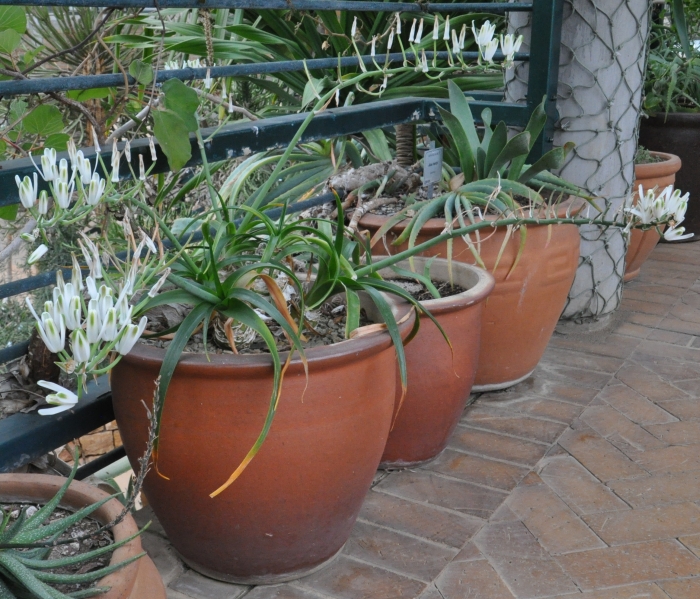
[[25, 552]]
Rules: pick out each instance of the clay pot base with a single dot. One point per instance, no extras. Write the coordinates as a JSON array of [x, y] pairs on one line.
[[631, 275], [500, 386], [267, 579], [399, 465]]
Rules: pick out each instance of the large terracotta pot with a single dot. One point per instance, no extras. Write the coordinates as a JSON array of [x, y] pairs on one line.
[[520, 315], [293, 507], [679, 133], [649, 176], [439, 379], [138, 580]]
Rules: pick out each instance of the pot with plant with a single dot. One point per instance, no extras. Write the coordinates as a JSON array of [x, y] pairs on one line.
[[44, 518], [672, 96], [652, 171]]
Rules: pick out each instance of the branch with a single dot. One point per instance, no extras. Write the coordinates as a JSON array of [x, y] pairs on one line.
[[7, 251], [217, 100]]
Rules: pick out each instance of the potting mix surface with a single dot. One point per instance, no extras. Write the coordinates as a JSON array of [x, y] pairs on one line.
[[582, 481]]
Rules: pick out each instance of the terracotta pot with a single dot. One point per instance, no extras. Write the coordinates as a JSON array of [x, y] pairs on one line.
[[439, 379], [679, 133], [649, 176], [293, 507], [138, 580], [520, 315]]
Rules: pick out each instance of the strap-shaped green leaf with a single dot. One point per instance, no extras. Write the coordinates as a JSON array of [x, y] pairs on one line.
[[459, 107], [498, 142], [551, 160], [534, 127], [463, 147], [517, 146]]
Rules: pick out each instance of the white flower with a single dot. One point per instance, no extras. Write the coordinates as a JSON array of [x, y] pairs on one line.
[[159, 283], [337, 97], [95, 190], [52, 333], [391, 40], [105, 301], [72, 152], [207, 80], [95, 142], [109, 326], [80, 347], [398, 24], [94, 324], [83, 167], [424, 62], [51, 310], [73, 314], [230, 108], [372, 51], [353, 29], [48, 164], [510, 45], [123, 309], [446, 34], [27, 191], [92, 289], [127, 149], [676, 204], [37, 254], [419, 33], [62, 193], [382, 87], [152, 147], [115, 162], [489, 50], [412, 34], [142, 169], [77, 276], [130, 336], [485, 34], [676, 234], [455, 43], [436, 28], [462, 36], [42, 206], [62, 398], [149, 242], [62, 171]]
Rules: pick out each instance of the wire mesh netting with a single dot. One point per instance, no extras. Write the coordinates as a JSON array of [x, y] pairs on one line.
[[601, 78]]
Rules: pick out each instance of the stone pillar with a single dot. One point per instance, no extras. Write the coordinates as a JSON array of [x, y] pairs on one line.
[[601, 75]]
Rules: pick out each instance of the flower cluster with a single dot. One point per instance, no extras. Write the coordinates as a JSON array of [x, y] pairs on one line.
[[669, 206], [488, 44]]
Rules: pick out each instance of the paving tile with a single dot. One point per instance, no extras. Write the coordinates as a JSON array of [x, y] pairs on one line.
[[682, 589], [197, 586], [612, 425], [659, 489], [283, 591], [601, 458], [471, 580], [478, 470], [682, 458], [677, 433], [432, 593], [691, 387], [419, 519], [496, 446], [681, 321], [549, 409], [692, 542], [577, 359], [557, 528], [346, 578], [399, 553], [685, 409], [648, 384], [652, 523], [634, 406], [644, 307], [468, 553], [671, 337], [652, 293], [616, 346], [524, 565], [646, 320], [581, 491], [503, 421], [577, 376], [634, 330], [635, 591], [640, 562], [542, 386], [456, 495], [503, 514], [163, 555]]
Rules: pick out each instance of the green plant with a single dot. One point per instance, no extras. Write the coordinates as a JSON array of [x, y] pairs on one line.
[[26, 545]]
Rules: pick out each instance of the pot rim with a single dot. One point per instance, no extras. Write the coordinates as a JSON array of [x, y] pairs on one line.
[[368, 344], [437, 225], [475, 294], [41, 487], [670, 166]]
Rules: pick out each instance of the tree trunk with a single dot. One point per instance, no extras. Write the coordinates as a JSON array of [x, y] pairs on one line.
[[405, 144]]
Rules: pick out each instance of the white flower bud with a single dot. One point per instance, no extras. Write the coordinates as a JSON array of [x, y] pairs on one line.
[[436, 28], [37, 254], [127, 150], [159, 283], [27, 191], [109, 326], [96, 190], [419, 33], [446, 33], [72, 152], [42, 206], [142, 169], [130, 336], [95, 142], [152, 147], [412, 34], [48, 164], [80, 347], [93, 326], [53, 334]]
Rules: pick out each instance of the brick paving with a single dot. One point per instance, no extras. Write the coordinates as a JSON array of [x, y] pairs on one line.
[[583, 481]]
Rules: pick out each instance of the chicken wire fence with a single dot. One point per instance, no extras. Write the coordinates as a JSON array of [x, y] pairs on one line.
[[599, 99]]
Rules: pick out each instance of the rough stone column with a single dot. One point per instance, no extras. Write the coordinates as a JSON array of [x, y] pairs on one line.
[[601, 75]]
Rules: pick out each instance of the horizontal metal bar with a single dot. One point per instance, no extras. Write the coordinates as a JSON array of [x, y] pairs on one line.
[[58, 84], [349, 5], [98, 463], [13, 352], [30, 284], [25, 437], [243, 138]]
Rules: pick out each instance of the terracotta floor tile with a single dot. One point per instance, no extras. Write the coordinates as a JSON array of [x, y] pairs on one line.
[[419, 519], [635, 591], [550, 409], [691, 387], [645, 307], [503, 514], [677, 433], [671, 337], [567, 374], [616, 346], [682, 589], [455, 495], [284, 591], [468, 553], [502, 421], [683, 458], [541, 386], [609, 423], [524, 565], [577, 359], [397, 552], [601, 458], [666, 351], [647, 293], [692, 542], [472, 580], [653, 523], [627, 564], [478, 470], [496, 446], [659, 489], [349, 579], [581, 491], [557, 528], [647, 320], [685, 409], [631, 329], [634, 406], [648, 384]]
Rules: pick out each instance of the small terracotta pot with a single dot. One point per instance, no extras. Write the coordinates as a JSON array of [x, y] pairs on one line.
[[649, 176], [439, 379], [520, 315], [293, 508], [138, 580]]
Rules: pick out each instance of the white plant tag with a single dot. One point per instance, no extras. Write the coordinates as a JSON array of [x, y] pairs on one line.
[[432, 169]]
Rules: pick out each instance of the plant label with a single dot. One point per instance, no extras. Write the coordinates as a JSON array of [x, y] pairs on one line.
[[432, 168]]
